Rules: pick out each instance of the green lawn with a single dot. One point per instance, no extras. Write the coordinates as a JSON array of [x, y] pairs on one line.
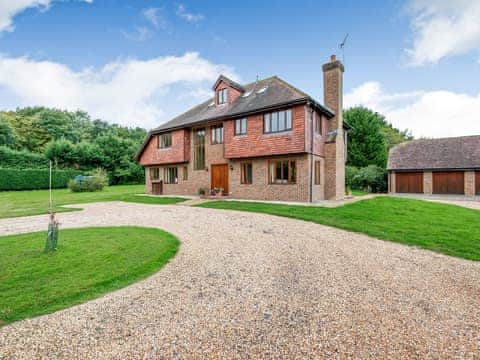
[[447, 229], [88, 263], [359, 192], [23, 203]]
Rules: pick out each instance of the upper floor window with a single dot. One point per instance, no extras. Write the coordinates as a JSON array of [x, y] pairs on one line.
[[217, 134], [222, 96], [277, 121], [199, 149], [171, 175], [241, 126], [165, 140], [318, 124]]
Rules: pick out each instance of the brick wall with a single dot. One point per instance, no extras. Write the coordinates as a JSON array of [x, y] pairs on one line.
[[334, 151], [318, 190], [173, 154], [260, 189], [256, 143], [318, 139], [427, 182], [469, 183], [196, 178]]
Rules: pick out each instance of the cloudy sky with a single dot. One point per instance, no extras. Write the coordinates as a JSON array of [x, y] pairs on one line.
[[142, 62]]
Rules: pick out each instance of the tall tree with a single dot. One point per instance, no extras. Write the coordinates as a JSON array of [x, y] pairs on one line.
[[366, 143]]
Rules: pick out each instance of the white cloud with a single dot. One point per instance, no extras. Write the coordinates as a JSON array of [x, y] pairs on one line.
[[182, 12], [426, 113], [10, 8], [443, 28], [140, 34], [130, 92], [154, 17]]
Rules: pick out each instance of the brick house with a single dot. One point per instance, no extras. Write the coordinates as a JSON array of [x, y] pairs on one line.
[[436, 166], [266, 140]]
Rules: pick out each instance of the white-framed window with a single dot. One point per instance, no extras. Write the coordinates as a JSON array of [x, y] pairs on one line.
[[217, 134], [222, 96], [241, 126], [277, 121]]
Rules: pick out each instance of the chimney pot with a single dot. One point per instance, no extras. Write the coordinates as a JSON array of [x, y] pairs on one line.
[[333, 58]]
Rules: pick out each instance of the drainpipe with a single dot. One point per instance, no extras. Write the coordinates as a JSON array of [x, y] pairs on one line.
[[311, 151]]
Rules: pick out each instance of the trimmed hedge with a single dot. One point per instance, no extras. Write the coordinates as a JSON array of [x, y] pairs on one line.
[[15, 159], [34, 179]]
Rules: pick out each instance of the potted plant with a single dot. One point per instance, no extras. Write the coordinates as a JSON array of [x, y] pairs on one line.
[[202, 192]]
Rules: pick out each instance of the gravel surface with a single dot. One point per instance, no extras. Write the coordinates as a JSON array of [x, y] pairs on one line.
[[247, 285]]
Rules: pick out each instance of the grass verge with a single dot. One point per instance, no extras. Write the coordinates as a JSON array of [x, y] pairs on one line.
[[89, 262], [447, 229]]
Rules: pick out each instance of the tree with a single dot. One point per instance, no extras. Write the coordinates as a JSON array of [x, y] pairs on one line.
[[366, 144], [7, 137], [371, 138]]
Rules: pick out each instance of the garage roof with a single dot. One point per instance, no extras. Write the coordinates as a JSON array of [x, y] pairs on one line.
[[447, 153]]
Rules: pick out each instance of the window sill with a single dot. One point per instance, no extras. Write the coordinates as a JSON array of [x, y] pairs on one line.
[[278, 133]]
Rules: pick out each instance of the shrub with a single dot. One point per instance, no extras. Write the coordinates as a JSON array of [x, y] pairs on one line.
[[95, 182], [371, 178], [34, 179], [350, 173]]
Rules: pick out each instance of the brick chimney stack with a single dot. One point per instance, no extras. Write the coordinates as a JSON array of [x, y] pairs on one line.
[[335, 147]]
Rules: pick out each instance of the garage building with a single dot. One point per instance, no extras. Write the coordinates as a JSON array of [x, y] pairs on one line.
[[436, 166]]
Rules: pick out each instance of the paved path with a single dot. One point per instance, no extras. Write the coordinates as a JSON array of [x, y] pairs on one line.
[[247, 285]]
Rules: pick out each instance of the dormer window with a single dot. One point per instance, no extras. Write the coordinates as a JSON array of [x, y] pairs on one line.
[[222, 96]]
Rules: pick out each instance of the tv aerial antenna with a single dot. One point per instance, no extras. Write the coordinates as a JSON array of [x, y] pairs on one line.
[[341, 46]]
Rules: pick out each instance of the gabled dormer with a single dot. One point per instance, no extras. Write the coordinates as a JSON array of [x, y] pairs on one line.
[[226, 91]]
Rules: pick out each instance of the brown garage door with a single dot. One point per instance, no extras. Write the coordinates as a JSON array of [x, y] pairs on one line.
[[448, 182], [409, 182], [477, 182]]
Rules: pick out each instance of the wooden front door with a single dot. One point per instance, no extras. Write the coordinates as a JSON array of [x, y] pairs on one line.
[[157, 188], [448, 182], [477, 182], [220, 177], [409, 182]]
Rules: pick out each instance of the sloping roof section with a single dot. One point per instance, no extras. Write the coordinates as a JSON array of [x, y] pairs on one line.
[[447, 153], [257, 96]]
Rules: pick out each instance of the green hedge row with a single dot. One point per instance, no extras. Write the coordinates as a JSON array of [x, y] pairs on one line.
[[33, 179], [15, 159]]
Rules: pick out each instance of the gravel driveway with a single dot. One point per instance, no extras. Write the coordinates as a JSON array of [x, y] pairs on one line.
[[250, 285]]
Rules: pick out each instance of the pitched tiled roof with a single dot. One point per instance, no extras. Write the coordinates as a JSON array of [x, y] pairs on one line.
[[277, 92], [447, 153]]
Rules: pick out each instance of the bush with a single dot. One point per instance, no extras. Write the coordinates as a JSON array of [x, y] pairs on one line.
[[95, 182], [371, 178], [24, 159], [34, 179]]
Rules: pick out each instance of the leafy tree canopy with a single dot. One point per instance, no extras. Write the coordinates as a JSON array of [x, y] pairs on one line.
[[371, 138]]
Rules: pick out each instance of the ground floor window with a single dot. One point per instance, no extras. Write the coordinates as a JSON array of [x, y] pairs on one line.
[[171, 175], [317, 173], [282, 172], [154, 174], [246, 173], [185, 173]]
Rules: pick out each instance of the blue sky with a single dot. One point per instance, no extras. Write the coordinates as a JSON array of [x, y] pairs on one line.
[[142, 62]]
